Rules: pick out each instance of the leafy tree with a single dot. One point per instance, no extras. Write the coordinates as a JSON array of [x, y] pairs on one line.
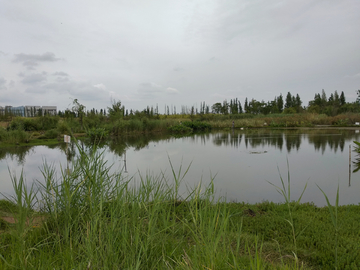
[[79, 111], [116, 110], [225, 107], [216, 108]]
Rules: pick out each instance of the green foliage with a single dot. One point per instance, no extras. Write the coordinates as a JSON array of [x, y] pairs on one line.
[[14, 136], [290, 110], [26, 124], [63, 127], [180, 129], [52, 133], [34, 124], [47, 122], [97, 134], [197, 125]]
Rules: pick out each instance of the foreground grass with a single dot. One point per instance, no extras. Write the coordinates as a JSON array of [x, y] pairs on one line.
[[96, 220]]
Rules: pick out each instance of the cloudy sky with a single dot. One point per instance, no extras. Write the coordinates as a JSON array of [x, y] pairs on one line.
[[148, 52]]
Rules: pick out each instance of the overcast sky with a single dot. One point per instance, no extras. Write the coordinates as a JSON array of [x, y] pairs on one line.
[[176, 52]]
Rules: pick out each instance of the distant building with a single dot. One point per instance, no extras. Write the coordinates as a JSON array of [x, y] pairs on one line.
[[51, 110], [31, 111], [28, 111], [16, 111]]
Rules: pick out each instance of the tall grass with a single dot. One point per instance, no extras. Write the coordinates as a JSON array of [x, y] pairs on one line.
[[285, 192], [334, 220], [97, 219], [14, 136]]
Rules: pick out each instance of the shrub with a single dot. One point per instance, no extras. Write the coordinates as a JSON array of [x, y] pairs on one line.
[[180, 129], [52, 133], [96, 134], [63, 127], [25, 124], [197, 126], [47, 122]]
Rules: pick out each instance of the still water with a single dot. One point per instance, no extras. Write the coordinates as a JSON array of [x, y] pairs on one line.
[[241, 162]]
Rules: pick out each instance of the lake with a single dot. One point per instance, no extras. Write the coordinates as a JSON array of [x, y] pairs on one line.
[[240, 162]]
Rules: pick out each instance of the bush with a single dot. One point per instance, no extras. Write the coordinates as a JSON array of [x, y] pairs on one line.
[[47, 122], [197, 126], [180, 129], [96, 134], [25, 124], [63, 127], [52, 133]]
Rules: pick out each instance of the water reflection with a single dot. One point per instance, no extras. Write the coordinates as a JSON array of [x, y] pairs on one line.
[[291, 139], [18, 153], [334, 139]]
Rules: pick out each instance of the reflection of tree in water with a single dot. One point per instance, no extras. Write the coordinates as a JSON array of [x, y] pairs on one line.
[[19, 153], [334, 139], [293, 141], [118, 145], [254, 138], [225, 139], [356, 163]]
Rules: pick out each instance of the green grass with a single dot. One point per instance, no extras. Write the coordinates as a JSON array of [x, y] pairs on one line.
[[95, 219]]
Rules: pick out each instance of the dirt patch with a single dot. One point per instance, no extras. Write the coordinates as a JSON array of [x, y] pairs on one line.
[[35, 221]]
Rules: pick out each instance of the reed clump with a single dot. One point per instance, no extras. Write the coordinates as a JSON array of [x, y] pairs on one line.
[[93, 218]]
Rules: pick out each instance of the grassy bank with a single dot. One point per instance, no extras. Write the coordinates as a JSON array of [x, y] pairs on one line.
[[22, 130], [92, 219]]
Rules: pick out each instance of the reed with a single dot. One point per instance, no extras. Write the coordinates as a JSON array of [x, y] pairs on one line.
[[334, 220], [285, 192]]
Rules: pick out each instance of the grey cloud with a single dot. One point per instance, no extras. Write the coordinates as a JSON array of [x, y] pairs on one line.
[[2, 83], [178, 69], [35, 90], [34, 78], [62, 79], [149, 90], [32, 60], [124, 64], [83, 91], [60, 73]]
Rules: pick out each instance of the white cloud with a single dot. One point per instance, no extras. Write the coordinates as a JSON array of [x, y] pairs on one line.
[[100, 86], [171, 90]]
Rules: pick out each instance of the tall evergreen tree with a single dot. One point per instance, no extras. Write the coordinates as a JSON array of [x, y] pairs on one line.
[[280, 103], [288, 100], [342, 98]]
